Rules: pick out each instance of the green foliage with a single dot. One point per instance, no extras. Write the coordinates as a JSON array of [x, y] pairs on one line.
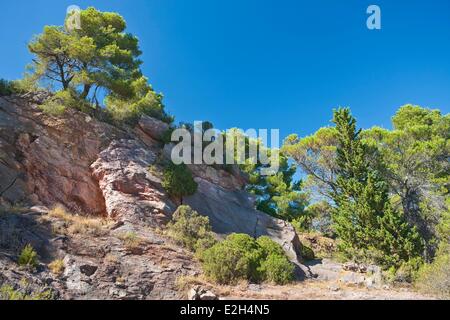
[[61, 100], [277, 195], [277, 269], [233, 259], [99, 57], [178, 181], [416, 167], [7, 88], [240, 257], [368, 227], [269, 246], [191, 230], [28, 257], [316, 156], [7, 292], [434, 278]]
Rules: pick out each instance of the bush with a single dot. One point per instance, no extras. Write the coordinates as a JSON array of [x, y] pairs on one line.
[[178, 181], [434, 278], [191, 230], [61, 100], [7, 292], [7, 88], [269, 246], [277, 269], [131, 241], [240, 257], [236, 258], [407, 272], [28, 257]]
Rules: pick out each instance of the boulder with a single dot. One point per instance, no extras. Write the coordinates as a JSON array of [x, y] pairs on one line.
[[198, 293], [153, 127], [130, 191]]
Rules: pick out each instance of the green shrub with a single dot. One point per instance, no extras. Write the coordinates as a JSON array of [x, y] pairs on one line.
[[269, 246], [7, 88], [407, 272], [240, 257], [434, 278], [191, 230], [28, 257], [7, 292], [236, 258], [277, 269], [64, 99], [178, 181]]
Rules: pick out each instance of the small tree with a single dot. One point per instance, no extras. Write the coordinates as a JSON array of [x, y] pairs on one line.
[[178, 181], [28, 257], [190, 229]]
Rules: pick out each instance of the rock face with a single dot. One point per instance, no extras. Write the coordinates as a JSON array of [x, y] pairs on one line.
[[46, 160], [131, 192], [94, 267], [152, 127], [93, 168]]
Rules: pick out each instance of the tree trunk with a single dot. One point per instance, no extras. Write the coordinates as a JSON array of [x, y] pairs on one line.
[[85, 93]]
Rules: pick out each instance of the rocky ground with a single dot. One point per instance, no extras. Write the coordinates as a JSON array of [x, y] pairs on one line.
[[104, 259]]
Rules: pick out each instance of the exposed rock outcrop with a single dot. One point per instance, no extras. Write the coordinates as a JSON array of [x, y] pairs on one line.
[[94, 168], [131, 192], [47, 160]]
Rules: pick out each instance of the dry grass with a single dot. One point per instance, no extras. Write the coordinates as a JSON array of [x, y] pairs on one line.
[[76, 224], [131, 241], [57, 267], [111, 258]]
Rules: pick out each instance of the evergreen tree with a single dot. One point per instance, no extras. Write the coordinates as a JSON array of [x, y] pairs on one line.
[[364, 220], [178, 181], [97, 59], [278, 195]]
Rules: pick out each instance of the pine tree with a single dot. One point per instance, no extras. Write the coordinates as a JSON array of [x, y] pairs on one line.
[[364, 220]]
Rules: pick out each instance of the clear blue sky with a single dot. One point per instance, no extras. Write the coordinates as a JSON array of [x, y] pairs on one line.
[[269, 64]]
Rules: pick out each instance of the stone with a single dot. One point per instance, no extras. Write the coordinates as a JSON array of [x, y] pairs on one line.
[[208, 296], [153, 127], [130, 191], [88, 270], [193, 294], [353, 278], [334, 288], [202, 294]]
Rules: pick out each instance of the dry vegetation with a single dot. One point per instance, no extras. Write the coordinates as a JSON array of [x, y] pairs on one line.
[[131, 241], [57, 267], [77, 224]]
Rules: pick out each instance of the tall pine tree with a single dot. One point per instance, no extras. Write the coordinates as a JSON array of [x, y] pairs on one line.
[[364, 219]]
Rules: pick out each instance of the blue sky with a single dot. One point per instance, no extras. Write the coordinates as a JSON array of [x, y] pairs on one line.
[[269, 64]]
